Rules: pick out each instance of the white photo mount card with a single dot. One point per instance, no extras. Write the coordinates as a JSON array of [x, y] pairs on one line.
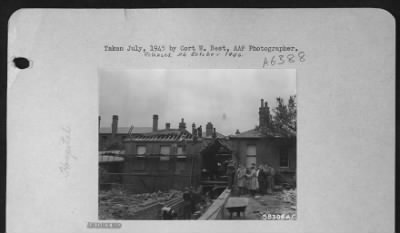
[[177, 120]]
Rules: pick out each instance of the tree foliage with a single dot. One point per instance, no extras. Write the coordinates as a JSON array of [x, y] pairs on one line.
[[285, 114]]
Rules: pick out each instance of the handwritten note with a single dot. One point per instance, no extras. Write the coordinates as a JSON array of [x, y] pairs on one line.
[[65, 139]]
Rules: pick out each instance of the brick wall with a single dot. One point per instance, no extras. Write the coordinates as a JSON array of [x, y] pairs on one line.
[[148, 173], [268, 150]]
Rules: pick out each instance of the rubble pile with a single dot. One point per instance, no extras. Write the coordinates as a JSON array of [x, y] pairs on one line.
[[280, 203], [117, 204], [289, 196]]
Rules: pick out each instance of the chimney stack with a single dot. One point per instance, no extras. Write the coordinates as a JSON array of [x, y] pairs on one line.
[[194, 132], [200, 131], [214, 134], [155, 122], [182, 125], [209, 129], [114, 125], [167, 125], [237, 131], [264, 116], [267, 114], [99, 122]]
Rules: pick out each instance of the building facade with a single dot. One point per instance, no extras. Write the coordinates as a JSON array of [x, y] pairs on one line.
[[267, 145], [162, 159]]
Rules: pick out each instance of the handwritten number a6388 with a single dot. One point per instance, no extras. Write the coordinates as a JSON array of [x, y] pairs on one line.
[[282, 59]]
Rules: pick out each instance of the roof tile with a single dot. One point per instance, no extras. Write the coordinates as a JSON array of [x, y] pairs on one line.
[[125, 130]]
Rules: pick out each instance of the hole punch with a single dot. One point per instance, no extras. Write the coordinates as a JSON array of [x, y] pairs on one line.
[[21, 63]]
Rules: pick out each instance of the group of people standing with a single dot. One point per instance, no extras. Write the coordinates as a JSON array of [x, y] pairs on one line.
[[255, 180]]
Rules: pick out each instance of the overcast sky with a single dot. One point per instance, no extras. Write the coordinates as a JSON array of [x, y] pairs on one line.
[[228, 98]]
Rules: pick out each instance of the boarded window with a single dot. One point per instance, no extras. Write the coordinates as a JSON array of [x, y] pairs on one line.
[[284, 157], [140, 150], [165, 150]]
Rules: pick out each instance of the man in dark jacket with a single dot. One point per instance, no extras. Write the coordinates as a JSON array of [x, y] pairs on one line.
[[230, 172], [187, 204], [270, 174], [262, 178]]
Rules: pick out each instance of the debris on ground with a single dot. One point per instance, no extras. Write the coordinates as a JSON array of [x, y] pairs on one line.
[[118, 204], [289, 196], [281, 204]]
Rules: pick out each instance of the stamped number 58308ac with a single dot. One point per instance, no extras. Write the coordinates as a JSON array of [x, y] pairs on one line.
[[282, 59], [278, 217]]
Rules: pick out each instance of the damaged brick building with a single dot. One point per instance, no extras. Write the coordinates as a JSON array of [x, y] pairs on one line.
[[172, 158], [265, 144], [162, 159]]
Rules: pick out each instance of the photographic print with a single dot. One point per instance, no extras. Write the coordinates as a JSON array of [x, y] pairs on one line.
[[197, 144], [128, 118]]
